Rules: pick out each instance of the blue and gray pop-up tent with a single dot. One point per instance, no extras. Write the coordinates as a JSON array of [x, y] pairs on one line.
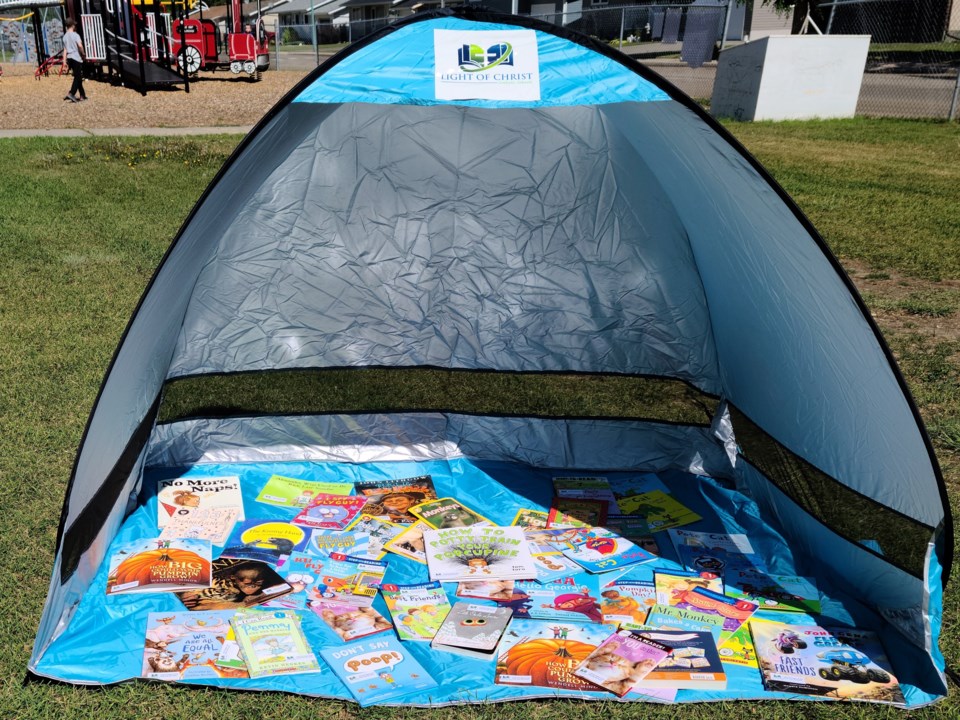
[[490, 250]]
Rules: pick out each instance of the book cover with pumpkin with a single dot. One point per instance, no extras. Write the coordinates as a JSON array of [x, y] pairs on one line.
[[154, 565], [544, 653]]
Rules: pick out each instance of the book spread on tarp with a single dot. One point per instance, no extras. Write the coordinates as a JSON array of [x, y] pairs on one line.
[[472, 629], [622, 661], [154, 565], [378, 670], [350, 622], [478, 553], [330, 511], [693, 663], [379, 531], [213, 523], [179, 496], [185, 646], [293, 493], [541, 653], [266, 540], [272, 643], [845, 664], [417, 610], [237, 584], [392, 499]]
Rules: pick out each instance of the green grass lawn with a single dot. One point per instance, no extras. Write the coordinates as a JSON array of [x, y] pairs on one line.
[[83, 223]]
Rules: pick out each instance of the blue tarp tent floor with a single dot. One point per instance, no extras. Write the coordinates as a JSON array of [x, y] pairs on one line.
[[104, 641]]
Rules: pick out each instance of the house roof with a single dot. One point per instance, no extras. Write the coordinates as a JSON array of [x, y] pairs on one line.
[[304, 6], [218, 12], [364, 3]]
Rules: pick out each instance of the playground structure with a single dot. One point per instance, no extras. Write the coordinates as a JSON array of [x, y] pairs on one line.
[[147, 44], [32, 31], [198, 45], [142, 44]]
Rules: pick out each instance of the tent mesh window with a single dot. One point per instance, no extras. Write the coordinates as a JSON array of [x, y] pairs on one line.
[[362, 390], [897, 538]]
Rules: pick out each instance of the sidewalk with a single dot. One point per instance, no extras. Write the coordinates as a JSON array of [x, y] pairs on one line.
[[129, 131]]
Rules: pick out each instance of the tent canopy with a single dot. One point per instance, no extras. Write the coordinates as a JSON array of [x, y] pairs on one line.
[[395, 222]]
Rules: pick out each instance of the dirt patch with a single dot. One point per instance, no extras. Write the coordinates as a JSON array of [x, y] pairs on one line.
[[905, 304], [218, 99]]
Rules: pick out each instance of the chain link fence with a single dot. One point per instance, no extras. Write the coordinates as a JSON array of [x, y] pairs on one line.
[[679, 41], [913, 64]]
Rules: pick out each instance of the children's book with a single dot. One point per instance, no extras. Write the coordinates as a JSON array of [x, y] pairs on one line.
[[540, 653], [293, 493], [324, 541], [350, 622], [472, 630], [574, 512], [574, 598], [269, 541], [445, 513], [153, 565], [622, 661], [409, 543], [586, 488], [634, 529], [733, 611], [551, 563], [787, 593], [330, 511], [626, 601], [392, 499], [378, 670], [486, 589], [713, 560], [213, 523], [738, 648], [378, 530], [185, 646], [530, 519], [846, 664], [179, 496], [598, 550], [673, 585], [230, 658], [237, 584], [302, 571], [625, 486], [659, 510], [417, 610], [478, 553], [693, 663], [727, 542], [668, 617], [272, 643], [349, 579]]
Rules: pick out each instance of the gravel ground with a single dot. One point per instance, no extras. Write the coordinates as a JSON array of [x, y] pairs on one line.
[[215, 99]]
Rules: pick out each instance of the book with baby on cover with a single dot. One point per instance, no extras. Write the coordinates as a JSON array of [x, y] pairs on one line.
[[622, 661]]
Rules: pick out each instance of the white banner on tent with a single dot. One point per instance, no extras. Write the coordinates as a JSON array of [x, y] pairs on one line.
[[486, 65]]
